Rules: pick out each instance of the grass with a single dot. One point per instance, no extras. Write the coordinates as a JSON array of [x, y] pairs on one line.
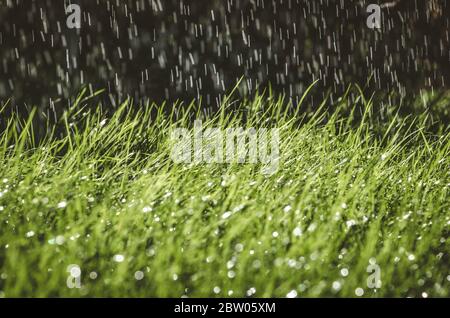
[[100, 192]]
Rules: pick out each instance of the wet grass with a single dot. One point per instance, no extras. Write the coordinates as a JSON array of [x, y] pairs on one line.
[[100, 194]]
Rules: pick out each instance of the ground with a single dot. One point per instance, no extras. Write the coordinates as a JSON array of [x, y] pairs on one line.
[[96, 207]]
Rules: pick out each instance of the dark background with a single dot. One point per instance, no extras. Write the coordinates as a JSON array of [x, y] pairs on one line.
[[164, 50]]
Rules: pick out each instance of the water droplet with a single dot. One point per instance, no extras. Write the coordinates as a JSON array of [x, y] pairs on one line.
[[118, 258], [62, 204], [359, 291], [336, 285], [147, 209], [297, 232], [226, 215], [292, 294], [74, 270], [251, 291], [139, 275], [350, 223]]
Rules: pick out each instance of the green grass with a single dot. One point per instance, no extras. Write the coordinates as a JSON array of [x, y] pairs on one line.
[[349, 191]]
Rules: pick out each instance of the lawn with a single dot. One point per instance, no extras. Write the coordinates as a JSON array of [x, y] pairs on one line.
[[95, 206]]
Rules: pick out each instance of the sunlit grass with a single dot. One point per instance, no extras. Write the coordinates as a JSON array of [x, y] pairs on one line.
[[101, 192]]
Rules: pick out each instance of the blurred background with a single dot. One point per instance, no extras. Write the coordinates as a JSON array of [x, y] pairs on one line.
[[168, 50]]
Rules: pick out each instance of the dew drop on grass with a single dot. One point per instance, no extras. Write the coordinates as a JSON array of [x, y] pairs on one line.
[[59, 240], [118, 258], [336, 286], [292, 294], [251, 291], [359, 291], [314, 255], [74, 270], [312, 227], [167, 194], [30, 234], [344, 272], [350, 223], [62, 205], [231, 274], [297, 232], [146, 209], [256, 264], [226, 215], [292, 263], [139, 275]]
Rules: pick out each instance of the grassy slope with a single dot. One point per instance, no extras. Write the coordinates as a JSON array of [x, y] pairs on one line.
[[353, 195]]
